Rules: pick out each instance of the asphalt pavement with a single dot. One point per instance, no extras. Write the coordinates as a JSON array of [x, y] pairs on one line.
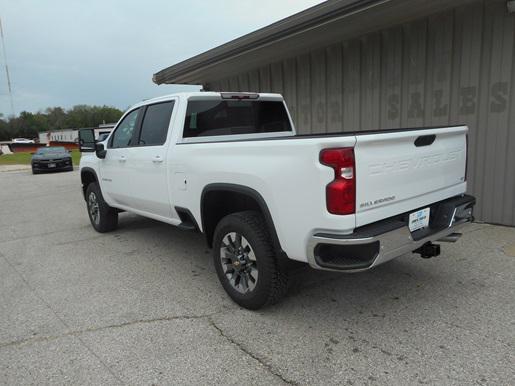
[[143, 305]]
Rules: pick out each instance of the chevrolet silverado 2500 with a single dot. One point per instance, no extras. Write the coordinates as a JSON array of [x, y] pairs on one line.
[[231, 165]]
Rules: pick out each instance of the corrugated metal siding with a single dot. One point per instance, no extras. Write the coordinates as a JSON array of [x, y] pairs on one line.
[[450, 68]]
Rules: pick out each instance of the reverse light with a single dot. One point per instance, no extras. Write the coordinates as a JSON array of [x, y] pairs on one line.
[[341, 192]]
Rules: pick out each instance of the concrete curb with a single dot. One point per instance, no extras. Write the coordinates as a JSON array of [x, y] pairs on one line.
[[14, 168]]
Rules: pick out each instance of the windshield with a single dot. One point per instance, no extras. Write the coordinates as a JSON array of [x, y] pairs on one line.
[[53, 149]]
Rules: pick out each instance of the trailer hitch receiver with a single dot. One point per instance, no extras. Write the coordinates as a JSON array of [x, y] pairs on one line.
[[428, 250]]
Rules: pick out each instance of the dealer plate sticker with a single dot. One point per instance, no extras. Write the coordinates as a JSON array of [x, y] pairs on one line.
[[419, 219]]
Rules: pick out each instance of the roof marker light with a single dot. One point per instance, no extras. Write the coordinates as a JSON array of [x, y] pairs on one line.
[[239, 95]]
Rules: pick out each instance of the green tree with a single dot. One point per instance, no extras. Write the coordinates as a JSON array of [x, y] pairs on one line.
[[56, 118], [4, 131]]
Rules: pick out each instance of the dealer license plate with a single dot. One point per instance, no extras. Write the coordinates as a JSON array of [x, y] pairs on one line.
[[51, 165], [419, 219]]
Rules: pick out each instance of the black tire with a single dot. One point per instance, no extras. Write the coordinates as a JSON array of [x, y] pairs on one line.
[[271, 282], [103, 218], [34, 171]]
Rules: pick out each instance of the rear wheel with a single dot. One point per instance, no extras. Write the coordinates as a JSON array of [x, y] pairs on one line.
[[245, 261], [102, 216]]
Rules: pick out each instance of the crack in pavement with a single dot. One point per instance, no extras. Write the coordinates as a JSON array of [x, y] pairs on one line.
[[33, 290], [79, 240], [267, 366], [207, 317], [28, 195], [44, 234], [102, 328]]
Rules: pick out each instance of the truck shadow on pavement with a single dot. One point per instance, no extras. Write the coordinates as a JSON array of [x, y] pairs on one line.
[[407, 278]]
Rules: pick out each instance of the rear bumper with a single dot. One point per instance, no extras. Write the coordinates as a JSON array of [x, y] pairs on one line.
[[384, 240]]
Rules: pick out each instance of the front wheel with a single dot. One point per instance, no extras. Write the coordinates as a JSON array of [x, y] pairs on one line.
[[245, 261], [102, 216]]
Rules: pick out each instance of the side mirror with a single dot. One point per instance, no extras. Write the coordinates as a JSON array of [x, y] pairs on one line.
[[87, 140], [100, 150], [88, 144]]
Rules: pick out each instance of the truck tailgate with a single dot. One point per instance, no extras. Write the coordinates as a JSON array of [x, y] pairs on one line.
[[400, 171]]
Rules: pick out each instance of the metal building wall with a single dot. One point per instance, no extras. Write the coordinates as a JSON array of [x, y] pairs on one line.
[[450, 68]]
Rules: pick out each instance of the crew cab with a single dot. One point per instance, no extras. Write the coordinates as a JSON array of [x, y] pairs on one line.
[[230, 165]]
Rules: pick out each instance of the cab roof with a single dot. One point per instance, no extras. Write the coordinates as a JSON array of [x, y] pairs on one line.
[[204, 94]]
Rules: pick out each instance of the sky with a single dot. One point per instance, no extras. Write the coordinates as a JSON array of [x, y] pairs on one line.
[[104, 52]]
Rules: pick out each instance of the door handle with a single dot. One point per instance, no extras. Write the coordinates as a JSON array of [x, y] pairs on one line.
[[157, 159], [122, 158], [425, 140]]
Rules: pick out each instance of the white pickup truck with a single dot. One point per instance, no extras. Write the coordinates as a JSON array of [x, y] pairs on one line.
[[231, 166]]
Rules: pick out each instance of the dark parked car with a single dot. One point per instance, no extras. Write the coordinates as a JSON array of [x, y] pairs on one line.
[[50, 159]]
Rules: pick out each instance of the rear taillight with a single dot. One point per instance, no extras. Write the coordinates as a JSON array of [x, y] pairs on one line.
[[341, 192]]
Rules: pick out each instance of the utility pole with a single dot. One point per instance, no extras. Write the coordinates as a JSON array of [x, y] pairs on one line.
[[6, 69]]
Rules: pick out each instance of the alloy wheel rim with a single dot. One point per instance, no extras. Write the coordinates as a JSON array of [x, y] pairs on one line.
[[239, 262], [94, 210]]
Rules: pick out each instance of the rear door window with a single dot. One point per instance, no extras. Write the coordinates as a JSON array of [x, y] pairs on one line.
[[220, 117], [154, 127]]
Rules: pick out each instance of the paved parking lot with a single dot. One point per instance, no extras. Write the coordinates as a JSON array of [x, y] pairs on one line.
[[142, 305]]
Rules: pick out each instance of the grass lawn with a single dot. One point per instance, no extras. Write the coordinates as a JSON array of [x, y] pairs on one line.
[[24, 158]]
